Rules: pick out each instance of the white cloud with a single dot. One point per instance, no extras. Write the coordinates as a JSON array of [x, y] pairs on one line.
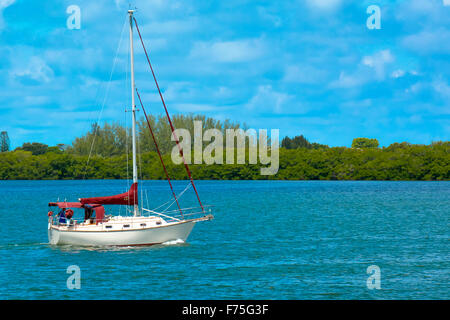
[[4, 4], [229, 51], [415, 88], [274, 19], [155, 44], [194, 107], [398, 73], [378, 62], [324, 4], [36, 100], [356, 107], [267, 99], [304, 74], [36, 70], [170, 26], [429, 41], [415, 14], [442, 88], [348, 80], [191, 92], [371, 68]]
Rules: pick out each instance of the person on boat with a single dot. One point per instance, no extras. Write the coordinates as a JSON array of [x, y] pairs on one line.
[[69, 215], [62, 216], [87, 212]]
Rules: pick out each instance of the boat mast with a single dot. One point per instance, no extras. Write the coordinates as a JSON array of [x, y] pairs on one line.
[[133, 108]]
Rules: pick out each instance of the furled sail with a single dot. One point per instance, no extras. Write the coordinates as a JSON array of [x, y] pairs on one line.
[[128, 198]]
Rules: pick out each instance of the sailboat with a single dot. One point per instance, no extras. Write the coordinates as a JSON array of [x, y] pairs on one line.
[[144, 226]]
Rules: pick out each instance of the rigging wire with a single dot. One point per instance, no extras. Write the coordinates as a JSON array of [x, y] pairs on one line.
[[139, 168], [105, 97], [127, 148], [146, 198], [168, 117], [157, 149], [179, 196]]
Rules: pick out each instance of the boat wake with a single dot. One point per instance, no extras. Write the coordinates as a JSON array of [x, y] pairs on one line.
[[172, 242]]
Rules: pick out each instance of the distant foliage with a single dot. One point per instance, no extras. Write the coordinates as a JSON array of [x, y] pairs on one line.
[[108, 149], [35, 148], [4, 141], [111, 140], [399, 161], [295, 143], [300, 142], [364, 143]]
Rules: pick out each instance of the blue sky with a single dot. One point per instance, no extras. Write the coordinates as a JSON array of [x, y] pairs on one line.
[[308, 67]]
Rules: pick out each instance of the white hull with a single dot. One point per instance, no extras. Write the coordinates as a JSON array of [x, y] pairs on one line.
[[136, 237]]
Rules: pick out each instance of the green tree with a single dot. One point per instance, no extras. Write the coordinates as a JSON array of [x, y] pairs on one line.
[[35, 148], [4, 141], [295, 143], [106, 141], [364, 143]]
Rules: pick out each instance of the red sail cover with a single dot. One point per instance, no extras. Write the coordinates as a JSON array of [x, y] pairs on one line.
[[65, 205], [99, 213], [128, 198]]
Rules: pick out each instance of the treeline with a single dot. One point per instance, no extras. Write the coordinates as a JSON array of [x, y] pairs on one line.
[[399, 161], [115, 139]]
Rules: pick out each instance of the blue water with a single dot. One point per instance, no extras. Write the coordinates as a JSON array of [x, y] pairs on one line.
[[269, 240]]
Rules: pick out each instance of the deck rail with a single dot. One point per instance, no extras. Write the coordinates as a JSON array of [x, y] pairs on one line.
[[188, 213]]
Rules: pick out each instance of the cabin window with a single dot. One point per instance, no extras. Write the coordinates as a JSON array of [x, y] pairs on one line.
[[126, 225], [143, 224], [108, 227]]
